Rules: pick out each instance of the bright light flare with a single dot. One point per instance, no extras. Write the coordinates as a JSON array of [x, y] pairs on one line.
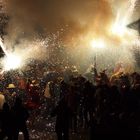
[[12, 62], [119, 29], [100, 44], [3, 47]]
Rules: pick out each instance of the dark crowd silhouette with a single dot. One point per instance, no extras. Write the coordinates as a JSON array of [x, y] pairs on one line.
[[109, 108], [13, 120], [95, 104]]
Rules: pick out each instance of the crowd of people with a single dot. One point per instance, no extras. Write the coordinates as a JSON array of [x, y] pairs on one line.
[[104, 106], [109, 107], [13, 120]]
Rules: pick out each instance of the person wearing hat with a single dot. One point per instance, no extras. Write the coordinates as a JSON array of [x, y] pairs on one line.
[[11, 87]]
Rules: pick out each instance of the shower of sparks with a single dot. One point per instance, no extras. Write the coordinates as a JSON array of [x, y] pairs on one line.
[[3, 47], [120, 25], [10, 61], [117, 34], [119, 28]]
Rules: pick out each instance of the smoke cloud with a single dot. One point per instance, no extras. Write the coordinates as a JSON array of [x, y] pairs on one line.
[[73, 21], [70, 18]]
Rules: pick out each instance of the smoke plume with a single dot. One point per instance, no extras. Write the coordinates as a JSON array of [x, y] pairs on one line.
[[70, 18], [72, 21]]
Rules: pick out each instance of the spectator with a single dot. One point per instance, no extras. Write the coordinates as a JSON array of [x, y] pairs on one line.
[[62, 113], [20, 115]]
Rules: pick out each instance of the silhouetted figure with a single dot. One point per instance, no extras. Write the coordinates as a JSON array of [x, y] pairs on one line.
[[73, 105], [6, 123], [62, 113], [88, 102], [20, 115]]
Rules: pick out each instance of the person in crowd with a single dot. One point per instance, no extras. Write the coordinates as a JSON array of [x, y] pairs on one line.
[[62, 113], [88, 102], [106, 104], [6, 120], [20, 115]]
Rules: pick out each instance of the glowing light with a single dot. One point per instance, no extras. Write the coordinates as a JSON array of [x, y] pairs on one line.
[[119, 29], [12, 62], [97, 43], [3, 47]]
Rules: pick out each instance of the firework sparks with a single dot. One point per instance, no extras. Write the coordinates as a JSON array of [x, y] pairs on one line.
[[104, 27], [3, 47], [10, 61], [120, 25]]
